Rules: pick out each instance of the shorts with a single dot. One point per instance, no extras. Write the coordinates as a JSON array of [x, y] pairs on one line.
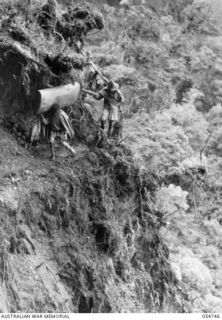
[[111, 114]]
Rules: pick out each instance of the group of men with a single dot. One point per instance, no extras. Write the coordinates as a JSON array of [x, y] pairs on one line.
[[100, 87]]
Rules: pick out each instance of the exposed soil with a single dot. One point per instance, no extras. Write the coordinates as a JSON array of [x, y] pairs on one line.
[[73, 238]]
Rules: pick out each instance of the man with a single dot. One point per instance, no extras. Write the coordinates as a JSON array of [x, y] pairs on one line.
[[59, 126], [111, 105], [54, 123]]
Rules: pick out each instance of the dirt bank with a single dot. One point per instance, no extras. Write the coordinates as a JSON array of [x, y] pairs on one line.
[[74, 239]]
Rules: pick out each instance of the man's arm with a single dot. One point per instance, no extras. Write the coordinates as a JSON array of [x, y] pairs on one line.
[[97, 95], [119, 96], [120, 108]]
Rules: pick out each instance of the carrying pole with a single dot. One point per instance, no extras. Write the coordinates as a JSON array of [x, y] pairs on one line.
[[89, 92], [99, 73]]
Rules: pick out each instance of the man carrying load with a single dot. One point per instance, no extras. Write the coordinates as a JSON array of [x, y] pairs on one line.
[[111, 106], [52, 121], [54, 124]]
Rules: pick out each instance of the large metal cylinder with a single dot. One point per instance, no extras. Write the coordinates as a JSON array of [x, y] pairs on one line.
[[65, 95]]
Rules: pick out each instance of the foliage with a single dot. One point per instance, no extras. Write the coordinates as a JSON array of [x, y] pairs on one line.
[[161, 144], [144, 29], [193, 123], [171, 199], [197, 17], [157, 51], [214, 119]]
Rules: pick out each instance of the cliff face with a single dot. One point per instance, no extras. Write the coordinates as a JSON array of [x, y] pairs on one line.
[[80, 234], [166, 55], [135, 227]]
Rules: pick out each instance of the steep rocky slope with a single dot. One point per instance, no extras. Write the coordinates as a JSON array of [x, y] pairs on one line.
[[73, 238], [80, 234], [158, 57], [132, 228]]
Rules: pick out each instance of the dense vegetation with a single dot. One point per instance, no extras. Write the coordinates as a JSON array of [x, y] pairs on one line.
[[150, 210], [166, 56]]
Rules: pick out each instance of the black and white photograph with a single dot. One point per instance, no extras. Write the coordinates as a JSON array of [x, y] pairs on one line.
[[110, 158]]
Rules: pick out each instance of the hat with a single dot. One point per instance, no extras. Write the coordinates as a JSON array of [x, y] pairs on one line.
[[113, 85]]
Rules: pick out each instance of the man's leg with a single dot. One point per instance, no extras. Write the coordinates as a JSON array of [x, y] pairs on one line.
[[104, 118], [110, 129], [67, 146], [52, 157], [113, 116], [51, 142], [103, 123]]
